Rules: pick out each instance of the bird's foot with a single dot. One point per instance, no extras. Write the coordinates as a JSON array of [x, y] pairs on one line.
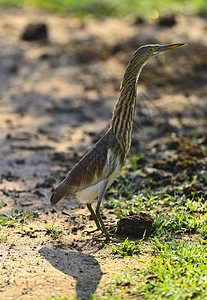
[[114, 239], [91, 231]]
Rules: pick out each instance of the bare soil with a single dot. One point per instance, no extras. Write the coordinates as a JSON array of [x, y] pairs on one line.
[[57, 94]]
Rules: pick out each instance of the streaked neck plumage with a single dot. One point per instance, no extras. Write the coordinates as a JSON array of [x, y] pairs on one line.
[[123, 114]]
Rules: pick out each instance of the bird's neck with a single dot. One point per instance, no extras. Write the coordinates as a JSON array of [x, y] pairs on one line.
[[123, 114]]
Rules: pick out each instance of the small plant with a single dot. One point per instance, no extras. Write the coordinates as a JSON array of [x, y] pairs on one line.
[[53, 230], [29, 232], [203, 227], [53, 178], [133, 162], [59, 298], [127, 248], [3, 239], [11, 220], [35, 213]]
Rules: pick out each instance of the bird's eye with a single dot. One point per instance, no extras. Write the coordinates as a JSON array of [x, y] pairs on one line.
[[150, 50]]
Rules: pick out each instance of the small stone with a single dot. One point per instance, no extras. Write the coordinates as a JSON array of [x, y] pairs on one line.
[[167, 21], [35, 32]]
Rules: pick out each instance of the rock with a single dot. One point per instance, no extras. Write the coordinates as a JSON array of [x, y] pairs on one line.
[[167, 21], [35, 32]]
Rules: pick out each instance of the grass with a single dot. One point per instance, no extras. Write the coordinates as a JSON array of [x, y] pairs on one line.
[[13, 219], [127, 248], [178, 271], [17, 217], [53, 231], [59, 298], [120, 8]]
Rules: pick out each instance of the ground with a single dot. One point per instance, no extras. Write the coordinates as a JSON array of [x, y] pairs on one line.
[[57, 95]]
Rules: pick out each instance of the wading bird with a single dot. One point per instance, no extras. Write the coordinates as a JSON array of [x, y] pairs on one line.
[[99, 167]]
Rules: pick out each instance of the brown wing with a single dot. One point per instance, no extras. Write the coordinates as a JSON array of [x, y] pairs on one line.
[[87, 172]]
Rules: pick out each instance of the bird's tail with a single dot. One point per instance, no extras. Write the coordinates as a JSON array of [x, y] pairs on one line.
[[60, 192]]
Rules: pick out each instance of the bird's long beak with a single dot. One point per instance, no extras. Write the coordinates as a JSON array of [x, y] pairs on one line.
[[163, 48]]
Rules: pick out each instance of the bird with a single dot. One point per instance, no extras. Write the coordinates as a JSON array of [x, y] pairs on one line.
[[98, 168]]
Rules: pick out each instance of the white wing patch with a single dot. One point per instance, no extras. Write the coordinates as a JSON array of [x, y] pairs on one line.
[[90, 193]]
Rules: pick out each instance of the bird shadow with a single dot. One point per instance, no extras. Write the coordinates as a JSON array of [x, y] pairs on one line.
[[82, 267]]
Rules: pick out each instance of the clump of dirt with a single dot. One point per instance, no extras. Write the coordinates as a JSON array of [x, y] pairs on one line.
[[184, 155], [184, 145], [135, 225], [175, 161]]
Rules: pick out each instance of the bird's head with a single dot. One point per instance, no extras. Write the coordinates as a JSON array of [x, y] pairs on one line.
[[148, 51], [141, 56]]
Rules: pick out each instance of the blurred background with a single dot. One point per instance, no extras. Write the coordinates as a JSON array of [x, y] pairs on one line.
[[115, 8]]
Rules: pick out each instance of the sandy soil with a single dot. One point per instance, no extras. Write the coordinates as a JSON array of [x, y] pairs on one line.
[[56, 98]]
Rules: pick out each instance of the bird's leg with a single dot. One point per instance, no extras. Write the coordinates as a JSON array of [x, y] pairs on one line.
[[100, 196], [94, 216]]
